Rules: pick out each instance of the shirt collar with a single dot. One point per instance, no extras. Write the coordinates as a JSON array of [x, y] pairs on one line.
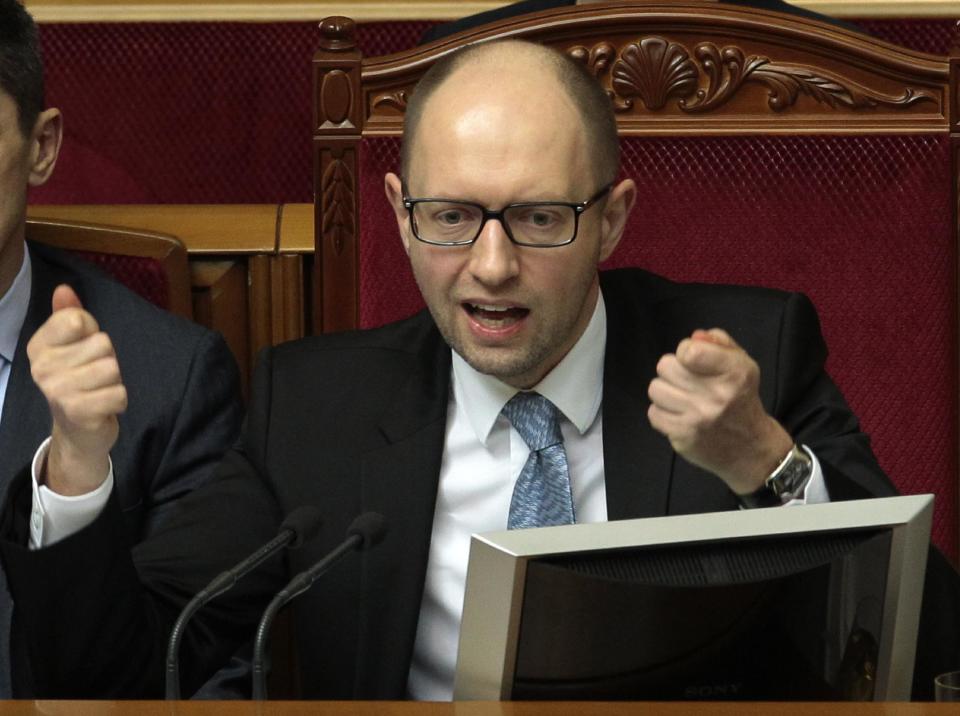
[[575, 385], [13, 309]]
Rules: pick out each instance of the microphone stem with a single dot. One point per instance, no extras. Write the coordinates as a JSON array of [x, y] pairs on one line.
[[218, 586], [298, 585]]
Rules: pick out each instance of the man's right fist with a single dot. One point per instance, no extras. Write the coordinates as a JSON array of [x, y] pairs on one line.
[[74, 365]]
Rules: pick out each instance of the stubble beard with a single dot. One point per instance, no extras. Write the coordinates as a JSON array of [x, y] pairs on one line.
[[524, 365]]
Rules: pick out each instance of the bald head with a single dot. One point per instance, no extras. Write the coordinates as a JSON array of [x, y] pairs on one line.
[[521, 78]]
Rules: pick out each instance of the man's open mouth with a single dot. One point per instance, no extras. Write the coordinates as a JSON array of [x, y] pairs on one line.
[[495, 315]]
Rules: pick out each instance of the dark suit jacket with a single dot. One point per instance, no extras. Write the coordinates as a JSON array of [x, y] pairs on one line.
[[184, 400], [356, 422]]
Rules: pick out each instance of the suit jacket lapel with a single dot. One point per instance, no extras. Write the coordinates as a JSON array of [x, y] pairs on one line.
[[399, 476], [638, 461], [26, 418]]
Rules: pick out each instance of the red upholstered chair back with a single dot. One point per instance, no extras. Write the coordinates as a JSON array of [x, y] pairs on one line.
[[794, 155], [150, 264]]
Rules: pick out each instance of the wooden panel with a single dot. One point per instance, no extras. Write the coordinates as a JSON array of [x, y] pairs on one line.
[[286, 275], [259, 315], [219, 303], [367, 10], [203, 229], [276, 302], [296, 229]]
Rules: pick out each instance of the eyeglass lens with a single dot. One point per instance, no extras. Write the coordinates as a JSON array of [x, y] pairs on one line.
[[451, 222]]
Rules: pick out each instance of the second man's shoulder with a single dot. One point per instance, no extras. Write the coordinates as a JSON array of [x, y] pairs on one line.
[[635, 297], [639, 285]]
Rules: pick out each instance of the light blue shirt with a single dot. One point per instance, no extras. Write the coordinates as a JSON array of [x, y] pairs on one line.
[[13, 311]]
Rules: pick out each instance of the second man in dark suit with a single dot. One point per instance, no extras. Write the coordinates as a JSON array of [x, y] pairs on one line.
[[71, 339]]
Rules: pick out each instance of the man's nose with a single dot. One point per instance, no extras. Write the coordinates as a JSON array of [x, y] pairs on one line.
[[493, 256]]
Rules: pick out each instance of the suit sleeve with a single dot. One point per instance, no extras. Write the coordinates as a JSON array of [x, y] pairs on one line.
[[205, 426], [811, 408], [94, 611]]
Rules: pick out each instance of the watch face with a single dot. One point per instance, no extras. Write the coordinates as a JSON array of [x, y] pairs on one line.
[[793, 478]]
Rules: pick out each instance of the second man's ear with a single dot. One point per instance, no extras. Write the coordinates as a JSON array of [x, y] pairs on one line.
[[45, 141]]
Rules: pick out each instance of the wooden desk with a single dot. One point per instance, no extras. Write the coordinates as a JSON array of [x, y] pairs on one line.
[[465, 708]]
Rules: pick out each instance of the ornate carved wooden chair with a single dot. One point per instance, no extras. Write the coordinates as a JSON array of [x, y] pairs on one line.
[[769, 149], [150, 264]]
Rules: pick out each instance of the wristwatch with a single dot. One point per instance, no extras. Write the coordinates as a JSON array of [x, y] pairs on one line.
[[784, 483]]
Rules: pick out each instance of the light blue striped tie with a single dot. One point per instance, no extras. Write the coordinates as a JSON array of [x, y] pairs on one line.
[[542, 494]]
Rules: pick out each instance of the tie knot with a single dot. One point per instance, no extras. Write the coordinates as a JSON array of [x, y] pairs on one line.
[[535, 418]]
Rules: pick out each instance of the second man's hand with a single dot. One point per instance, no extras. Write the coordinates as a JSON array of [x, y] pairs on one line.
[[75, 366], [706, 401]]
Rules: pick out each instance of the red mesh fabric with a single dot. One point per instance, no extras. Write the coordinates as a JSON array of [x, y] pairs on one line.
[[179, 113], [184, 112], [383, 262], [194, 113], [860, 224], [144, 276], [385, 38], [927, 35]]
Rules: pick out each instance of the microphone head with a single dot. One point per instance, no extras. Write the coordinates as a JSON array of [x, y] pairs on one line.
[[369, 527], [303, 524]]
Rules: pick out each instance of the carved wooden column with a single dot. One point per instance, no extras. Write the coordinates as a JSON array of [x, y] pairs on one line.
[[337, 124]]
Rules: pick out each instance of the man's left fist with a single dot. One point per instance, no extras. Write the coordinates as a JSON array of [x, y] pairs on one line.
[[75, 366], [706, 401]]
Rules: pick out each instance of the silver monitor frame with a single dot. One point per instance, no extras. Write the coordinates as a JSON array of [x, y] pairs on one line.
[[496, 576]]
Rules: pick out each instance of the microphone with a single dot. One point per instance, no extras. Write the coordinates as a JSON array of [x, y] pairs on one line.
[[364, 532], [299, 526]]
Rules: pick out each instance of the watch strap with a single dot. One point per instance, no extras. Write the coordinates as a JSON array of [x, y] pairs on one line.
[[786, 482]]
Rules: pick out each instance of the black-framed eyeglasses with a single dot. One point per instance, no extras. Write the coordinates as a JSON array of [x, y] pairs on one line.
[[541, 224]]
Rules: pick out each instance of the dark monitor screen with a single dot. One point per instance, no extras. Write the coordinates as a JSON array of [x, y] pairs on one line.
[[812, 603]]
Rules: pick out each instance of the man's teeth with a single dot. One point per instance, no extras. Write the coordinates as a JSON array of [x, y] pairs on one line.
[[497, 309]]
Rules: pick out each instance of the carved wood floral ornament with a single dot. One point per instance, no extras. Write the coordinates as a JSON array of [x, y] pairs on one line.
[[655, 70], [337, 196]]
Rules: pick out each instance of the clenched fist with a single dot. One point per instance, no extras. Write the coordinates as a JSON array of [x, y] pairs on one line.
[[74, 365], [706, 400]]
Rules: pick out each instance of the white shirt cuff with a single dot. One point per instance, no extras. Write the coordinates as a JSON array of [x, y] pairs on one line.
[[815, 491], [55, 517]]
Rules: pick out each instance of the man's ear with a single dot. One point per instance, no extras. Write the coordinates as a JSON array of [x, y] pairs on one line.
[[394, 190], [45, 143], [615, 212]]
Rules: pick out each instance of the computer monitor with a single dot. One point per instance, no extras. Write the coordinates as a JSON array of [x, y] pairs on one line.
[[819, 602]]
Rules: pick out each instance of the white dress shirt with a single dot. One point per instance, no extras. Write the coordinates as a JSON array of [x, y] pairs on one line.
[[54, 516], [482, 458]]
